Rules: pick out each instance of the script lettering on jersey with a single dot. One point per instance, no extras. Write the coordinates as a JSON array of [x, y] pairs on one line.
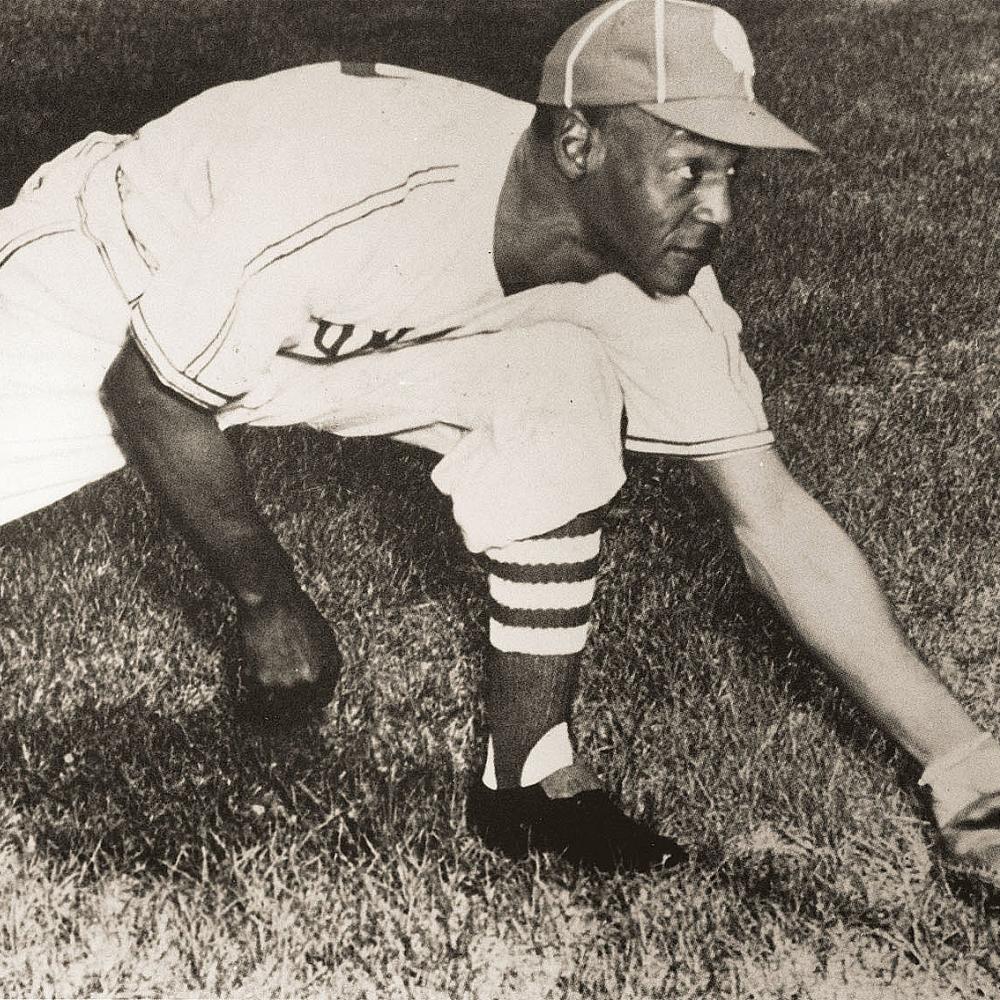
[[340, 340]]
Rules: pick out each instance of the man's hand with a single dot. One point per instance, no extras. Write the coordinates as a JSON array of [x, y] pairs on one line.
[[291, 661], [291, 657]]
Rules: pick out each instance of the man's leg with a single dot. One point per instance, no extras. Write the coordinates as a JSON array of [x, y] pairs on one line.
[[527, 484], [533, 791], [541, 591], [62, 321], [527, 421], [816, 577]]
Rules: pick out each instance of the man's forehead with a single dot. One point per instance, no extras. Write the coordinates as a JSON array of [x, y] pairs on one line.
[[681, 143]]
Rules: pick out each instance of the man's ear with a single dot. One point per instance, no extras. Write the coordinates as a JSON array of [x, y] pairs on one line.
[[578, 147]]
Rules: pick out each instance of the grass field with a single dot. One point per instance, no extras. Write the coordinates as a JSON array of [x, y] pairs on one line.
[[149, 847]]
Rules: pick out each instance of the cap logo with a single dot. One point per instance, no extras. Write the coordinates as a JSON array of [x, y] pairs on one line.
[[730, 40]]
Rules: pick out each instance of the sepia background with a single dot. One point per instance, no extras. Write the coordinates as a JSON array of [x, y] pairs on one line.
[[150, 847]]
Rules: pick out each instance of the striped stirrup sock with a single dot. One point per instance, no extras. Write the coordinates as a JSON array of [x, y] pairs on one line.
[[541, 589], [541, 592]]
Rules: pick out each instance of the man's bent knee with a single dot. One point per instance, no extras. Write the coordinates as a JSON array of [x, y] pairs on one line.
[[565, 368], [550, 449]]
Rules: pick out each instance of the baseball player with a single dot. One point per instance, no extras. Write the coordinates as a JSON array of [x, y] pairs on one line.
[[370, 250]]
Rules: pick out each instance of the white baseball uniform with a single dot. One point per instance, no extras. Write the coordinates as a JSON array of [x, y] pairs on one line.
[[316, 246]]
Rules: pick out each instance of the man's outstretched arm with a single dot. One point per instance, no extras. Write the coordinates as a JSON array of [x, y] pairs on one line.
[[797, 556], [292, 659]]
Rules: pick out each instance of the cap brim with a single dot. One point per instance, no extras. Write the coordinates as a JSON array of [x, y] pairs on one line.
[[730, 120]]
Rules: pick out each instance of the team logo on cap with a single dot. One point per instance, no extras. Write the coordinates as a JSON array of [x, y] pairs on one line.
[[731, 41]]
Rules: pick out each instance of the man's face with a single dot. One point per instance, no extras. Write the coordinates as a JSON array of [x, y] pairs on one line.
[[658, 202]]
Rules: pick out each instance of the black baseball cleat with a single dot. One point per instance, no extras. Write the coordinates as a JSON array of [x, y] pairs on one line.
[[586, 828]]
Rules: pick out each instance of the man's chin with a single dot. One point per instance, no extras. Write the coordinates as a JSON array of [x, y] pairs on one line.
[[658, 286]]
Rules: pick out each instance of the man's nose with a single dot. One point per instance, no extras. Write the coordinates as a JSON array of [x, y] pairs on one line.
[[714, 204]]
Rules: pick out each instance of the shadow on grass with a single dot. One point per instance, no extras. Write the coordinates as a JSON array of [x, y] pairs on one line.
[[360, 516], [127, 788], [132, 787], [328, 491], [664, 498], [137, 788]]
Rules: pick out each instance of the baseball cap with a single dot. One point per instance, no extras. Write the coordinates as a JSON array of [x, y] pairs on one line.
[[684, 62]]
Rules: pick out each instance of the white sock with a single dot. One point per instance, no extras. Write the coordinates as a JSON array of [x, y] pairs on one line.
[[551, 753]]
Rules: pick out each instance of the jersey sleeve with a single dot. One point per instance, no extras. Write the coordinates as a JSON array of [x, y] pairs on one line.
[[209, 326], [688, 388]]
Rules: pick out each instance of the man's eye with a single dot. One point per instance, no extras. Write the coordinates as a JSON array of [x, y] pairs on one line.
[[685, 171]]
